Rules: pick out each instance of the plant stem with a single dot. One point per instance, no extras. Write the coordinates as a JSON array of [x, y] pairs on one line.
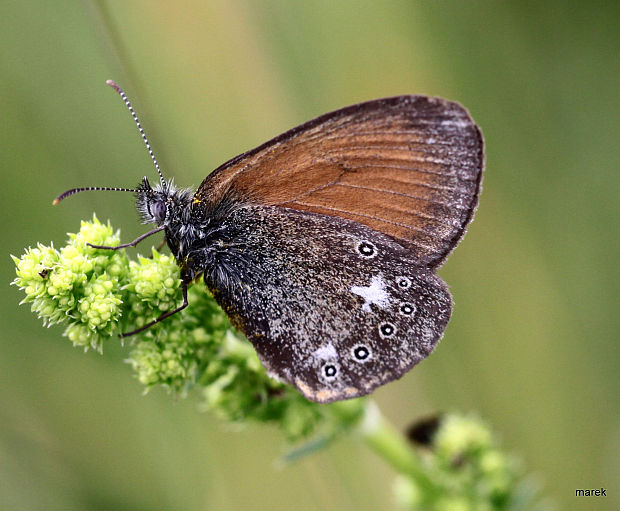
[[389, 444]]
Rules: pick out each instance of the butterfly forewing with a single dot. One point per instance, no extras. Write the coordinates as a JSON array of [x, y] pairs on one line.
[[331, 306], [408, 166]]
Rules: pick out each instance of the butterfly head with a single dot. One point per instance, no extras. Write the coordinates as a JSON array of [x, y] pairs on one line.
[[162, 203]]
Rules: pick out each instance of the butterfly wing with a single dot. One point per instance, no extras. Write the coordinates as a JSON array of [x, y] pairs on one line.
[[331, 306], [408, 166]]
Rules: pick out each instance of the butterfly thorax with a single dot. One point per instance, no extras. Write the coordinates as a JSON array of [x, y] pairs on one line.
[[189, 226], [203, 239]]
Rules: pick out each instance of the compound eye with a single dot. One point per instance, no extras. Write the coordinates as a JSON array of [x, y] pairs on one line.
[[158, 210]]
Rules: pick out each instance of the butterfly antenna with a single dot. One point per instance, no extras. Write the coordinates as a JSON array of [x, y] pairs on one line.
[[73, 191], [116, 87]]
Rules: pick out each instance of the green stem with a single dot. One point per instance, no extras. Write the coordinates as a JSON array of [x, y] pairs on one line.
[[390, 445], [116, 50]]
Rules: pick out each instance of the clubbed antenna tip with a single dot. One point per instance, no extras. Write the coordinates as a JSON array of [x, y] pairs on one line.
[[114, 85]]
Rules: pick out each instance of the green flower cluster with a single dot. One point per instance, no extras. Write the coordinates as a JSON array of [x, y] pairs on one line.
[[154, 286], [99, 293], [464, 470], [78, 284]]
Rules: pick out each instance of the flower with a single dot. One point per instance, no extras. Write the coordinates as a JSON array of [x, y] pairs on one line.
[[100, 293]]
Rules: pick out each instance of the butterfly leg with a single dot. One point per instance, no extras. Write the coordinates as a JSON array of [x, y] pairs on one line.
[[163, 316], [131, 243], [161, 245]]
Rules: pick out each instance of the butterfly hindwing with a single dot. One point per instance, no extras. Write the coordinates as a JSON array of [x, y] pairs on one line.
[[331, 306]]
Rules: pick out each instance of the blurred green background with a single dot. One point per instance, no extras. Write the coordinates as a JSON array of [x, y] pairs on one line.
[[533, 344]]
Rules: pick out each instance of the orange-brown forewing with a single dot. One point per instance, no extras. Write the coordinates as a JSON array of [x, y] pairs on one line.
[[408, 166]]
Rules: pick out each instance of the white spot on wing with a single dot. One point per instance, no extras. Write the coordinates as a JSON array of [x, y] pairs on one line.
[[374, 293], [327, 352]]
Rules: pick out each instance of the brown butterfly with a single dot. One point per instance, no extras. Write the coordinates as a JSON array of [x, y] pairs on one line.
[[322, 244]]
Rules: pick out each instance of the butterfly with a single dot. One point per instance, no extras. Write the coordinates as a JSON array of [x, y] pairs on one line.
[[322, 244]]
